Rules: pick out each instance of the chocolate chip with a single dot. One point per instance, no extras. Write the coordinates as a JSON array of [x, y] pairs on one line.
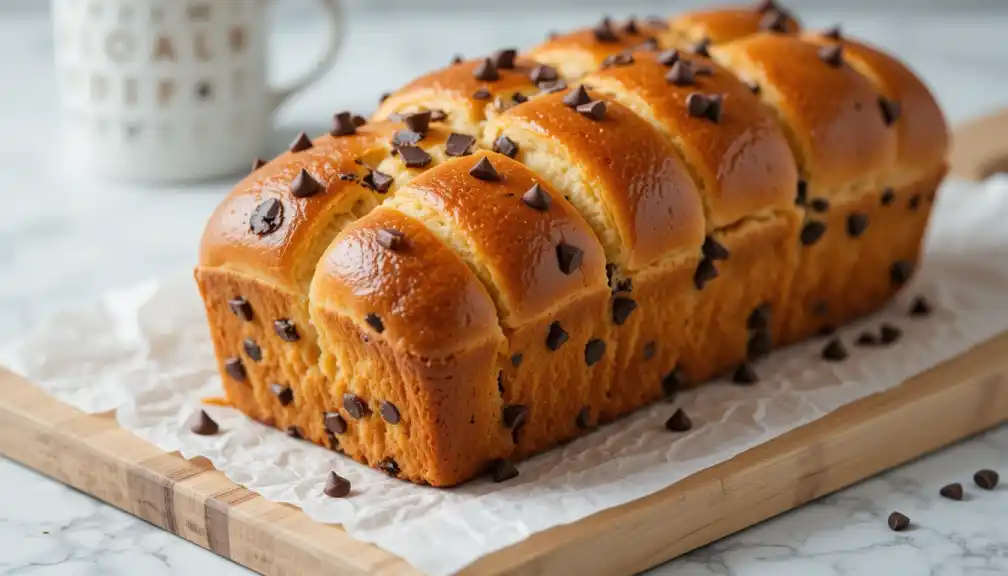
[[577, 97], [986, 479], [301, 143], [622, 307], [681, 74], [583, 418], [827, 330], [513, 416], [414, 157], [701, 48], [744, 374], [914, 202], [293, 432], [594, 350], [753, 87], [801, 195], [774, 21], [672, 382], [834, 351], [389, 466], [920, 307], [235, 368], [833, 33], [812, 231], [390, 239], [888, 196], [696, 105], [343, 124], [713, 249], [569, 257], [867, 339], [900, 272], [486, 71], [715, 105], [266, 217], [500, 382], [459, 144], [502, 470], [358, 120], [406, 138], [304, 185], [336, 486], [595, 110], [556, 337], [891, 110], [389, 412], [705, 272], [202, 424], [334, 423], [678, 422], [241, 308], [952, 491], [252, 350], [832, 55], [819, 204], [283, 394], [377, 181], [543, 73], [257, 164], [374, 322], [418, 122], [457, 59], [536, 198], [649, 350], [505, 146], [481, 94], [760, 344], [505, 59], [857, 223], [603, 32], [631, 26], [286, 330], [354, 406], [516, 360], [898, 522], [890, 333], [759, 318], [384, 96]]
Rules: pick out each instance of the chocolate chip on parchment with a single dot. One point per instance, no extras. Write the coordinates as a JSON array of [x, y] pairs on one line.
[[834, 351], [920, 307], [336, 486], [536, 198], [502, 470], [569, 257], [513, 416], [343, 124], [952, 491], [744, 374], [305, 185], [235, 368], [266, 217], [484, 170], [986, 479], [252, 350], [679, 422], [889, 333], [283, 394], [334, 422], [556, 337], [375, 322], [389, 412], [898, 522], [459, 144], [622, 307], [354, 406], [202, 424], [594, 350], [301, 143], [241, 308], [286, 330]]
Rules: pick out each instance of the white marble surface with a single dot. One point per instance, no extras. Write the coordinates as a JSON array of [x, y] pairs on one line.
[[65, 238]]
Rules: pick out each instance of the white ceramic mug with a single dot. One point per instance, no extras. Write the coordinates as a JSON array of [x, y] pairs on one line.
[[157, 91]]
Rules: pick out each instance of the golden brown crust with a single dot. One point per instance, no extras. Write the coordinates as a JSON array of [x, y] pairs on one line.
[[642, 184], [742, 162], [582, 51], [517, 244], [722, 25], [830, 112], [428, 302]]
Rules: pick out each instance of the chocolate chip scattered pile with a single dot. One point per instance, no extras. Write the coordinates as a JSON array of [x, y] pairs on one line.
[[679, 422], [986, 479], [201, 423], [336, 486]]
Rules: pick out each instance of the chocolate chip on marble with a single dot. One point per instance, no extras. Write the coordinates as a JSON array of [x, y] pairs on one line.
[[834, 351], [537, 198], [375, 322], [819, 204], [900, 272], [502, 470], [504, 59], [832, 55], [505, 146], [679, 422], [202, 424], [569, 257], [594, 350], [986, 479], [354, 406], [888, 196], [513, 416], [486, 71], [867, 339], [235, 369], [257, 163], [952, 491], [389, 412], [649, 350], [286, 330], [705, 272], [305, 185], [701, 48], [583, 418], [241, 308], [334, 422], [252, 350], [414, 157], [669, 57], [266, 217], [595, 110], [801, 194], [294, 432], [891, 110], [920, 307], [672, 382], [481, 94], [301, 143], [622, 307], [889, 333], [343, 124], [812, 231], [390, 239], [283, 394], [336, 486], [577, 97], [556, 337], [681, 74], [898, 522], [713, 249], [760, 344], [744, 374], [914, 202], [857, 223], [543, 73], [604, 32], [833, 33], [759, 318], [459, 144], [389, 466]]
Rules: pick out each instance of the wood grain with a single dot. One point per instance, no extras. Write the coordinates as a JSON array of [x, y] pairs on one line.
[[196, 502], [980, 147]]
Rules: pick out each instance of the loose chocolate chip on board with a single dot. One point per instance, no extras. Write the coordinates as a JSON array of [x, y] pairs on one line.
[[898, 522], [914, 203], [713, 249], [414, 157], [672, 382], [760, 344], [513, 416], [252, 350], [952, 491], [286, 330], [334, 423], [920, 307], [900, 272], [857, 223], [267, 217], [801, 196], [505, 146], [681, 74], [622, 307], [235, 369], [502, 470], [594, 350], [812, 231], [294, 432], [389, 412], [819, 204], [343, 124], [305, 185], [516, 360], [583, 418], [543, 73], [701, 48], [774, 21], [833, 33], [832, 55], [834, 351], [679, 422], [459, 144], [888, 196], [759, 318], [283, 394], [375, 322], [649, 350], [556, 337], [536, 198], [576, 97], [505, 59], [705, 272], [891, 110], [486, 71], [595, 110], [744, 374], [986, 479], [484, 170], [669, 57], [481, 94], [889, 334], [378, 181], [569, 257], [241, 308], [336, 486], [354, 406], [867, 339], [202, 424], [389, 239], [389, 466], [301, 143], [257, 164]]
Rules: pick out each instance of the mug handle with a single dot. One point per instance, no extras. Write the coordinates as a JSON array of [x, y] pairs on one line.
[[337, 29]]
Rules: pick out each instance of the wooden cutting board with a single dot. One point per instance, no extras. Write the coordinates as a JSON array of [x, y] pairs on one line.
[[191, 499]]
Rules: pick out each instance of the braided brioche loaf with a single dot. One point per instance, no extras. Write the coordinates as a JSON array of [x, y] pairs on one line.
[[515, 249]]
